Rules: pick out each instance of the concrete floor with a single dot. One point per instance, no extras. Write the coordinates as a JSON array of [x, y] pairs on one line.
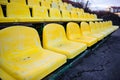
[[102, 64]]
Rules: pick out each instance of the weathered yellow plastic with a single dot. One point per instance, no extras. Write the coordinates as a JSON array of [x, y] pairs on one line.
[[3, 2], [96, 28], [86, 15], [62, 7], [32, 3], [85, 28], [54, 38], [74, 9], [56, 0], [66, 15], [1, 12], [74, 15], [18, 1], [55, 14], [46, 4], [105, 28], [22, 56], [5, 76], [74, 33], [110, 25], [104, 31], [82, 10], [40, 13], [19, 12], [54, 5], [80, 15], [5, 19], [66, 4]]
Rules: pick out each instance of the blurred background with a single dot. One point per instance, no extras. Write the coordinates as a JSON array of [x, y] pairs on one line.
[[106, 9]]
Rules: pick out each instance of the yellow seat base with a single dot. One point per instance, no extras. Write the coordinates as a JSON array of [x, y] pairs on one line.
[[85, 39], [5, 76], [31, 66], [98, 36], [55, 39], [22, 56], [69, 48]]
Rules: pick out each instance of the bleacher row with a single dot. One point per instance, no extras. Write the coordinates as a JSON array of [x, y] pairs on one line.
[[40, 11], [25, 56]]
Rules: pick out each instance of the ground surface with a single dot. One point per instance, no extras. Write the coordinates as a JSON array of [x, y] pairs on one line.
[[102, 64]]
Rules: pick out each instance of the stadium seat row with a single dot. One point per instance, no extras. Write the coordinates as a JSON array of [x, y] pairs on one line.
[[16, 12], [23, 58], [27, 1]]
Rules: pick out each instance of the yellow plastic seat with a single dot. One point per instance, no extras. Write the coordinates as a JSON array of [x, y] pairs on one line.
[[93, 17], [56, 0], [54, 5], [87, 16], [74, 33], [106, 29], [55, 14], [74, 9], [62, 7], [19, 12], [66, 15], [3, 2], [85, 28], [22, 56], [74, 15], [5, 76], [109, 26], [82, 10], [113, 27], [96, 28], [106, 33], [32, 3], [54, 38], [5, 19], [46, 4], [68, 6], [40, 13], [80, 16], [18, 1]]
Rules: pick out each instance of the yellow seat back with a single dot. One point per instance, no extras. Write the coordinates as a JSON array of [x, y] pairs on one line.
[[46, 4], [62, 7], [18, 38], [33, 3], [80, 15], [92, 27], [86, 15], [4, 19], [17, 10], [54, 13], [110, 23], [1, 12], [81, 10], [65, 14], [5, 76], [18, 1], [95, 16], [53, 34], [40, 12], [85, 28], [73, 30], [3, 2], [54, 5], [74, 15], [97, 26]]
